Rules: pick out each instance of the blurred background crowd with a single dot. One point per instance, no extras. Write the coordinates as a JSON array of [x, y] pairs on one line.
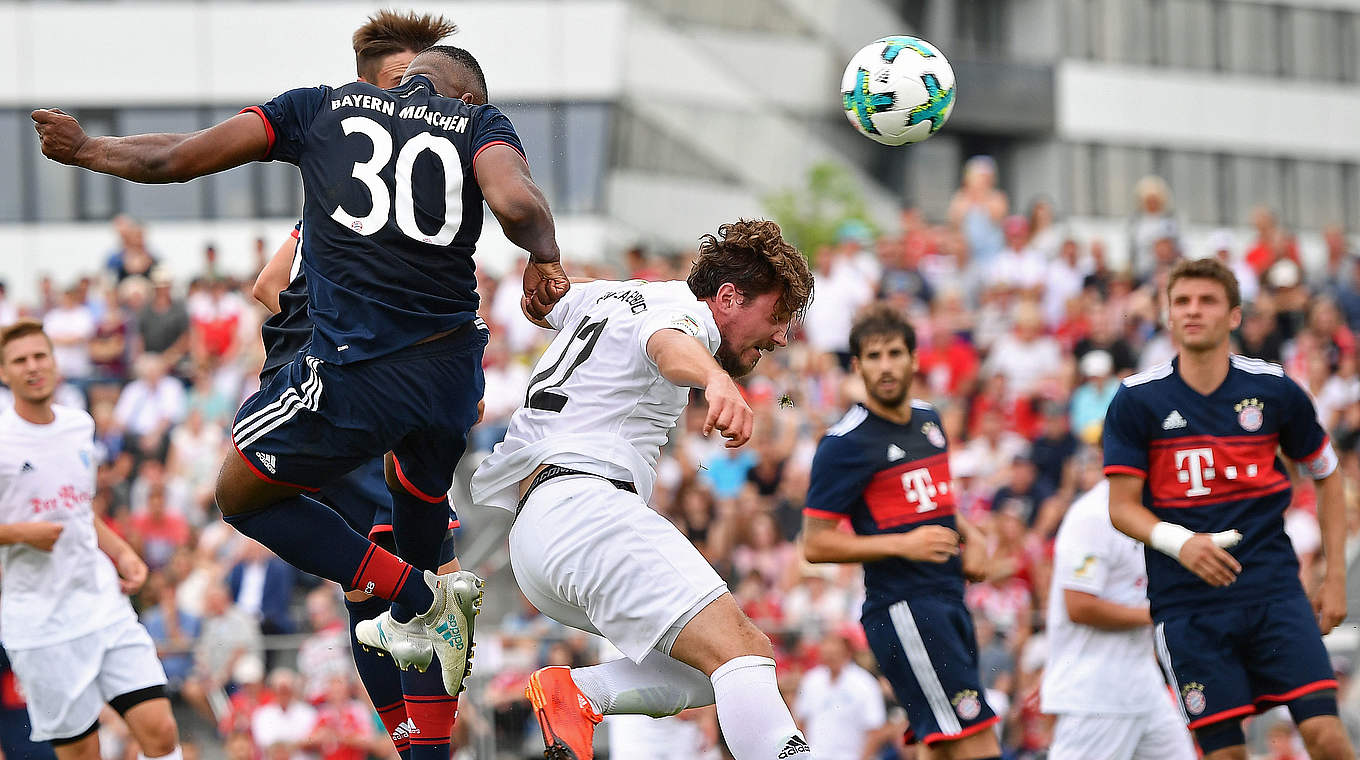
[[1024, 332]]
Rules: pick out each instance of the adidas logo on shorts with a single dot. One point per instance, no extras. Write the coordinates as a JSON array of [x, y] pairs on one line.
[[268, 461], [796, 746]]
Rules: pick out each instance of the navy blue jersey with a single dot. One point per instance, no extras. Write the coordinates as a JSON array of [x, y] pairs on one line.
[[287, 330], [1209, 463], [889, 478], [392, 210]]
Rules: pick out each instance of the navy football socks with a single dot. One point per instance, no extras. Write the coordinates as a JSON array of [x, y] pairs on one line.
[[431, 712], [315, 539], [380, 677], [418, 530]]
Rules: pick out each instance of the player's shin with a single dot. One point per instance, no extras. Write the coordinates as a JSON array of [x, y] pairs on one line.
[[315, 539], [755, 721], [380, 676], [418, 529], [658, 686], [431, 713]]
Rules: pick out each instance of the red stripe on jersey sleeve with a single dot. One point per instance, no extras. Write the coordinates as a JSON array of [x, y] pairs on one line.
[[488, 145], [1123, 469], [822, 514], [268, 126]]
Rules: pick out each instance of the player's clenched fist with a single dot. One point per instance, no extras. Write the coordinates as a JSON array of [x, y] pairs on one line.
[[1215, 566], [544, 285], [60, 134], [929, 543], [728, 412]]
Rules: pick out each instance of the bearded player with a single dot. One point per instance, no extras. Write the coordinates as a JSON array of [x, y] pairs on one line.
[[578, 465], [885, 468]]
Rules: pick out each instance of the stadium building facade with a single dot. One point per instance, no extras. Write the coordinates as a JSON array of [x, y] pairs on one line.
[[653, 120]]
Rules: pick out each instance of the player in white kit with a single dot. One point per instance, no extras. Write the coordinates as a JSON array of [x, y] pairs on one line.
[[578, 465], [1102, 678], [72, 636]]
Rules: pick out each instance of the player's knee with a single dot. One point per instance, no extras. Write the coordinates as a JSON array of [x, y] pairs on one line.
[[754, 641], [1325, 738], [160, 736]]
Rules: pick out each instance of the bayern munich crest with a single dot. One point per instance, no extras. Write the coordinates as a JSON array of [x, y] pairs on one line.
[[933, 434], [1250, 414], [1193, 696], [967, 704]]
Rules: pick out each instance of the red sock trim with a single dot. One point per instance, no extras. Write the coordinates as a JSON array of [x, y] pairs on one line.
[[380, 573], [434, 716], [392, 716]]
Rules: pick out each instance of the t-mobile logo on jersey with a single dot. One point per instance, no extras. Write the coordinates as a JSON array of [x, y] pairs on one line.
[[1195, 466], [921, 489]]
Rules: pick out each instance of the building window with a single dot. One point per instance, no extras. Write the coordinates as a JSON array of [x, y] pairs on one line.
[[14, 133], [177, 201], [1252, 39], [1187, 26]]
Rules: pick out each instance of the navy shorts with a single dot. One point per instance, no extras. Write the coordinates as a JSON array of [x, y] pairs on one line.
[[1231, 663], [314, 422], [362, 498], [927, 649]]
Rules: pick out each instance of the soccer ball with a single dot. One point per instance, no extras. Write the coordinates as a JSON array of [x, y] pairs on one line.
[[898, 90]]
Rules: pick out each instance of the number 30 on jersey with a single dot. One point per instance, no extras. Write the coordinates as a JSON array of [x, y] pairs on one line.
[[367, 173]]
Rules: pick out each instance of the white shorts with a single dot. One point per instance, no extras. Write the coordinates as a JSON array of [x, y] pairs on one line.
[[1156, 735], [598, 559], [67, 684]]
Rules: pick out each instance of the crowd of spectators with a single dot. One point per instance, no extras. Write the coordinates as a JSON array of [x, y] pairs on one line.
[[1024, 332]]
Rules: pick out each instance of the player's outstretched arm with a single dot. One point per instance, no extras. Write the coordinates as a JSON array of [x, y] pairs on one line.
[[1329, 600], [683, 361], [273, 279], [824, 541], [153, 158], [1203, 554]]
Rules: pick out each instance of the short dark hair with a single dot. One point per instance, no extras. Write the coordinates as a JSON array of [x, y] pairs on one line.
[[466, 60], [21, 329], [880, 321], [753, 255], [1206, 269], [387, 32]]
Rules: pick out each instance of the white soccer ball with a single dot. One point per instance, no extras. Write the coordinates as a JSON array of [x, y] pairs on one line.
[[898, 90]]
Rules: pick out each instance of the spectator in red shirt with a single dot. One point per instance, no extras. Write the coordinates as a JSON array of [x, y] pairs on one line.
[[157, 530], [342, 730]]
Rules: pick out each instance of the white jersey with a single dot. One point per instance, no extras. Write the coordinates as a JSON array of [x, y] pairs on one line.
[[1091, 670], [47, 475], [596, 402]]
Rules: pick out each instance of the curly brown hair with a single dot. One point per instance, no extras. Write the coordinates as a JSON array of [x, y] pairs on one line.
[[387, 32], [753, 255]]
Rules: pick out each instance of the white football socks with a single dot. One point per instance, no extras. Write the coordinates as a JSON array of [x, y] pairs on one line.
[[174, 754], [658, 686], [751, 712]]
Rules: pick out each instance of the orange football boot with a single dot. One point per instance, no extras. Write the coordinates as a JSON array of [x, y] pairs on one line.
[[565, 715]]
